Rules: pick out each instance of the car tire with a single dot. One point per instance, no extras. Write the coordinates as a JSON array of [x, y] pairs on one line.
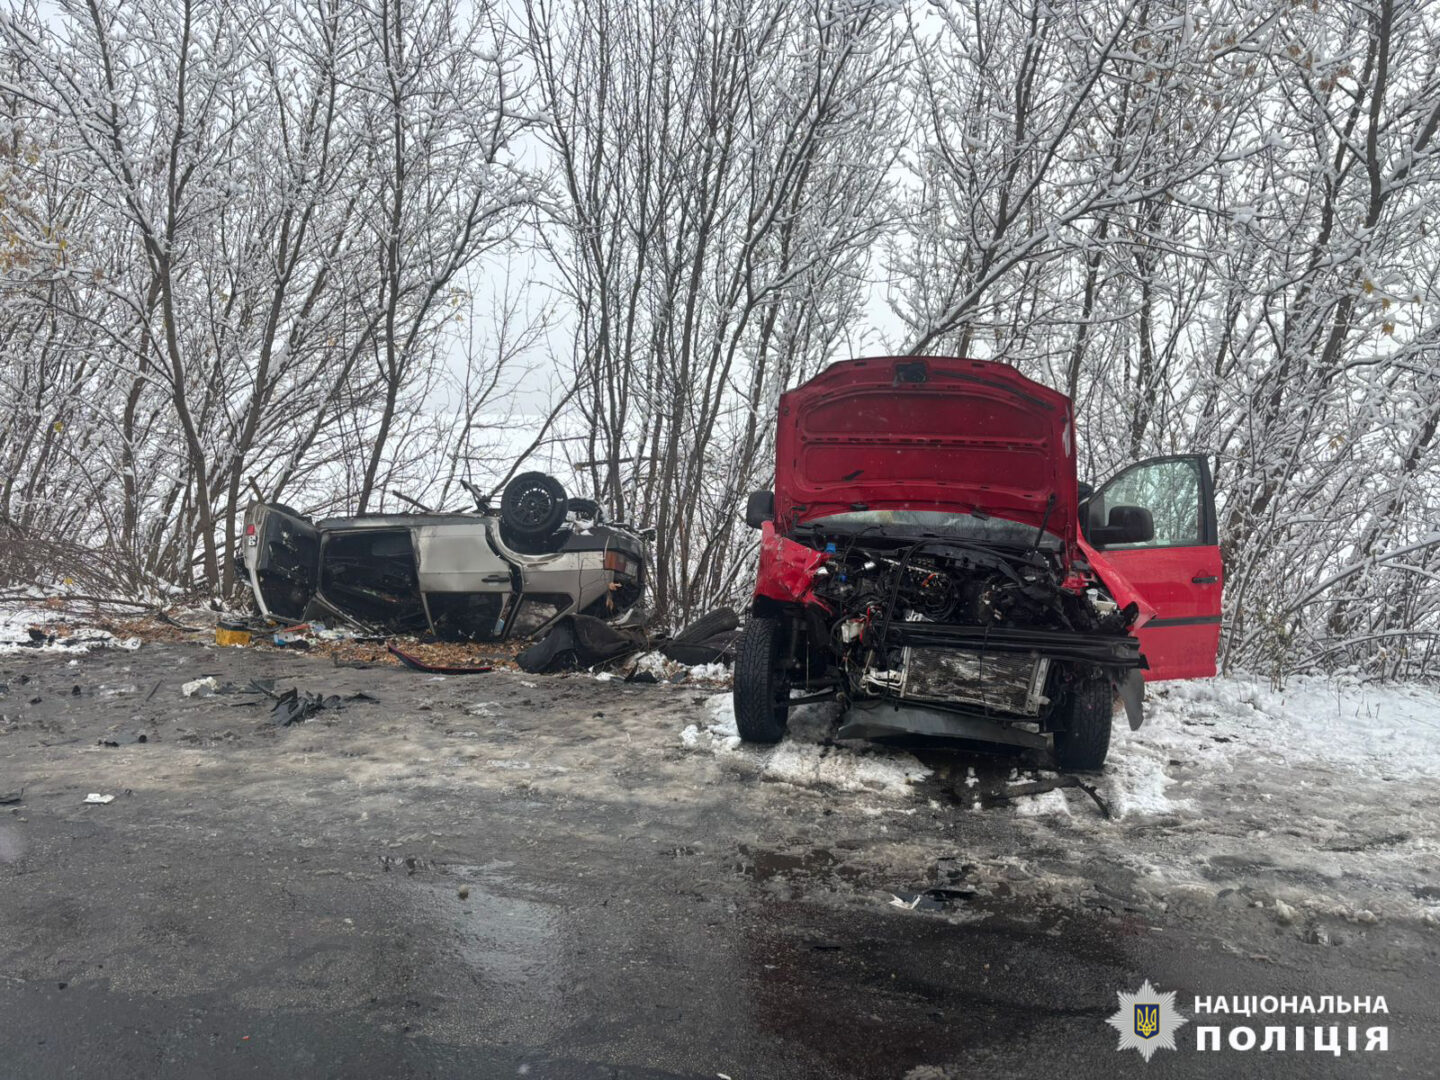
[[719, 649], [533, 505], [761, 688], [585, 508], [708, 625], [1083, 740]]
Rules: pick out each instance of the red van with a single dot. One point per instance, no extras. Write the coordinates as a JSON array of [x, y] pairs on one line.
[[929, 558]]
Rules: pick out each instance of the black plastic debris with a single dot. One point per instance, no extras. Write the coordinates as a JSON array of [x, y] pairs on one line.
[[169, 620], [580, 641], [713, 623], [294, 706], [128, 738], [719, 649], [710, 639], [416, 664]]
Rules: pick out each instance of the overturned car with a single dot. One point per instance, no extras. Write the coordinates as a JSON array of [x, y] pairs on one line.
[[481, 575], [928, 557]]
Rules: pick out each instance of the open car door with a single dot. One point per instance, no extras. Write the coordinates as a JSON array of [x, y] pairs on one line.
[[282, 559], [1177, 571]]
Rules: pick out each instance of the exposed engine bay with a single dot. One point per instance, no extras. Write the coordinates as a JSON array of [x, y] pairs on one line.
[[961, 626]]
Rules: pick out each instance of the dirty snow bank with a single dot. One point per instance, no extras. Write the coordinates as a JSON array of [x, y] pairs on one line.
[[1321, 792], [803, 759], [32, 629]]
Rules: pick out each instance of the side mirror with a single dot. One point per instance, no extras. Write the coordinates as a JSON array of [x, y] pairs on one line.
[[759, 508], [1128, 525]]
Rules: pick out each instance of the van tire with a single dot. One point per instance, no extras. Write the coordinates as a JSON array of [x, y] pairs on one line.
[[761, 688], [1082, 740]]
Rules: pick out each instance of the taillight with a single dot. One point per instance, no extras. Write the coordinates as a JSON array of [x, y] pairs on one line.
[[249, 530], [614, 560]]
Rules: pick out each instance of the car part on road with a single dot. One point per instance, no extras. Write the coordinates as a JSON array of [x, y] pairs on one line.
[[580, 641], [416, 664], [232, 634], [719, 649], [712, 623], [294, 706], [96, 799]]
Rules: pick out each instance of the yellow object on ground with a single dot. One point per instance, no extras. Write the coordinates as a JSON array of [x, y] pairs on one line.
[[224, 636]]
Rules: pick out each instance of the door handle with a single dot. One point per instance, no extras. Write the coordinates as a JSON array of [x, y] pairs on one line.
[[1204, 579], [496, 579]]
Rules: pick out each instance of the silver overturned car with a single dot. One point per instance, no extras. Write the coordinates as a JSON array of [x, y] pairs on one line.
[[480, 575]]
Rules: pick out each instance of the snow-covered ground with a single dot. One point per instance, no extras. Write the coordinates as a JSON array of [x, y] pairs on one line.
[[802, 758], [1313, 801], [53, 631]]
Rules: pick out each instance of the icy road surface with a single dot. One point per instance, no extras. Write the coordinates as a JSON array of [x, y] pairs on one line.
[[561, 877], [1317, 802]]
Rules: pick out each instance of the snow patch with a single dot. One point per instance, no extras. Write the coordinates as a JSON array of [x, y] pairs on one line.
[[58, 631], [801, 759]]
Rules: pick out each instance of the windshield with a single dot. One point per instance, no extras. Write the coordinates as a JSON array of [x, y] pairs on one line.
[[984, 530]]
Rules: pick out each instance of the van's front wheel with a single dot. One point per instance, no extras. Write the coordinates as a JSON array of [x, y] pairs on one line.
[[762, 690], [1083, 739]]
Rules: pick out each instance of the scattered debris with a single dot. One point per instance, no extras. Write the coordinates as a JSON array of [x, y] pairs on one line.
[[203, 687], [170, 620], [124, 739], [719, 649], [293, 638], [231, 633], [96, 799], [293, 707], [10, 798], [710, 639], [416, 664], [580, 641], [990, 799], [936, 899]]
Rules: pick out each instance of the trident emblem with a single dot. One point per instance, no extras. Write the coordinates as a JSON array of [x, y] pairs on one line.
[[1147, 1020]]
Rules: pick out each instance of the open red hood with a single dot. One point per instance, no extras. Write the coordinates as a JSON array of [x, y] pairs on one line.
[[926, 433]]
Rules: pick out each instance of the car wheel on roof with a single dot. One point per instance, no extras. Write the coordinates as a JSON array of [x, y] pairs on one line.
[[533, 505]]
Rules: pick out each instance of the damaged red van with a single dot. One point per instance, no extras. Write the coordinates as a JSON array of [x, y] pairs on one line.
[[929, 559]]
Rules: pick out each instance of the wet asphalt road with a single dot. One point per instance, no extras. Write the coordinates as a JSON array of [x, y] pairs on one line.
[[476, 878]]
